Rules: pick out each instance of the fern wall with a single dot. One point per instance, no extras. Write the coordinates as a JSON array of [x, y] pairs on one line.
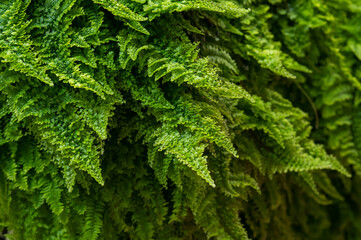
[[192, 119]]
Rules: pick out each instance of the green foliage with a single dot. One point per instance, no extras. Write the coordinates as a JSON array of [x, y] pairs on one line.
[[167, 119]]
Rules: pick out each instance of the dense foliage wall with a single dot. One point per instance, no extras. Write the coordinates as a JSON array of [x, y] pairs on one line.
[[170, 119]]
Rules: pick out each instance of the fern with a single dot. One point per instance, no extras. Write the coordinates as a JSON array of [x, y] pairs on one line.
[[160, 119]]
